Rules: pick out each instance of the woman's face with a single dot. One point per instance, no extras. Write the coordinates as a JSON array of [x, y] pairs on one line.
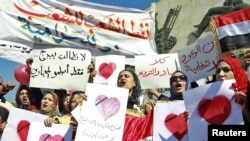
[[74, 101], [126, 80], [66, 103], [178, 83], [47, 102], [224, 72], [24, 98]]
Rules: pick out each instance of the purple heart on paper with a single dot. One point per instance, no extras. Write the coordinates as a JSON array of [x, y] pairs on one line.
[[107, 107], [48, 137]]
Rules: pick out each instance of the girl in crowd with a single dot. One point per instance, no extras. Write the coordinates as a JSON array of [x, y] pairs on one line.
[[66, 99], [129, 80], [24, 98], [178, 84], [230, 68], [49, 103], [75, 99], [137, 125]]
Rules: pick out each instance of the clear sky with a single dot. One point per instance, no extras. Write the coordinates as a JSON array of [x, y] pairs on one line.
[[138, 4], [7, 68]]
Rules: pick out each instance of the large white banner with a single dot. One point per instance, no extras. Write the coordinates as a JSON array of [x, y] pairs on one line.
[[101, 29]]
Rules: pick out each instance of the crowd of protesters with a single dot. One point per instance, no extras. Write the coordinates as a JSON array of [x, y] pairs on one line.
[[35, 100]]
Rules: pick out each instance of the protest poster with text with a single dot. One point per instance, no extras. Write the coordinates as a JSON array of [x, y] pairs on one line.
[[103, 115], [198, 60], [60, 68], [211, 104], [154, 71]]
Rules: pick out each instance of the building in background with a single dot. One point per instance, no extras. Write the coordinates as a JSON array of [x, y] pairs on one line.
[[180, 23]]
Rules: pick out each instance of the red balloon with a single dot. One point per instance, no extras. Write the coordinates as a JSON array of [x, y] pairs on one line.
[[22, 74]]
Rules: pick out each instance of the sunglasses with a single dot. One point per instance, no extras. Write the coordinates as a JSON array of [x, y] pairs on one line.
[[224, 69], [181, 77]]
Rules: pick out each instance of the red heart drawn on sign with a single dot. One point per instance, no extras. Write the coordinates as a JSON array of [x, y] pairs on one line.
[[215, 111], [23, 129], [48, 137], [106, 70], [176, 124], [107, 107]]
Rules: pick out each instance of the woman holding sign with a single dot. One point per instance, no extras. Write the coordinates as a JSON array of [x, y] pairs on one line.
[[230, 68], [137, 125], [240, 96]]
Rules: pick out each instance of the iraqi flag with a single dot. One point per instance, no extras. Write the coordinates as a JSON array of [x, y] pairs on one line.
[[232, 32]]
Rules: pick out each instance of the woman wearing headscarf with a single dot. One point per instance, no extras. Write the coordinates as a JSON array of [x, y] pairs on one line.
[[178, 84], [49, 104], [230, 68]]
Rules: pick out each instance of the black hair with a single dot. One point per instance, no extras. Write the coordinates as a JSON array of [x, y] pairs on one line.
[[18, 102], [71, 98], [136, 91], [4, 114], [64, 111]]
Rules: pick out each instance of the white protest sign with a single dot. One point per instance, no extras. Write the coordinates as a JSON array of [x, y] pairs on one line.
[[18, 124], [169, 122], [103, 114], [198, 60], [101, 29], [108, 68], [154, 71], [60, 68], [57, 132], [211, 104]]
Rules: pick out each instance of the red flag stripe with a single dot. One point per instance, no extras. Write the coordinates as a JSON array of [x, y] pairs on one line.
[[233, 17], [233, 29]]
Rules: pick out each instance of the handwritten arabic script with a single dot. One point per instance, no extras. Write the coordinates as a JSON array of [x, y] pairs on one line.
[[199, 59], [157, 69], [60, 65]]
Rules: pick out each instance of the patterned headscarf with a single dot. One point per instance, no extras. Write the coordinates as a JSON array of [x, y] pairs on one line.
[[240, 74]]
